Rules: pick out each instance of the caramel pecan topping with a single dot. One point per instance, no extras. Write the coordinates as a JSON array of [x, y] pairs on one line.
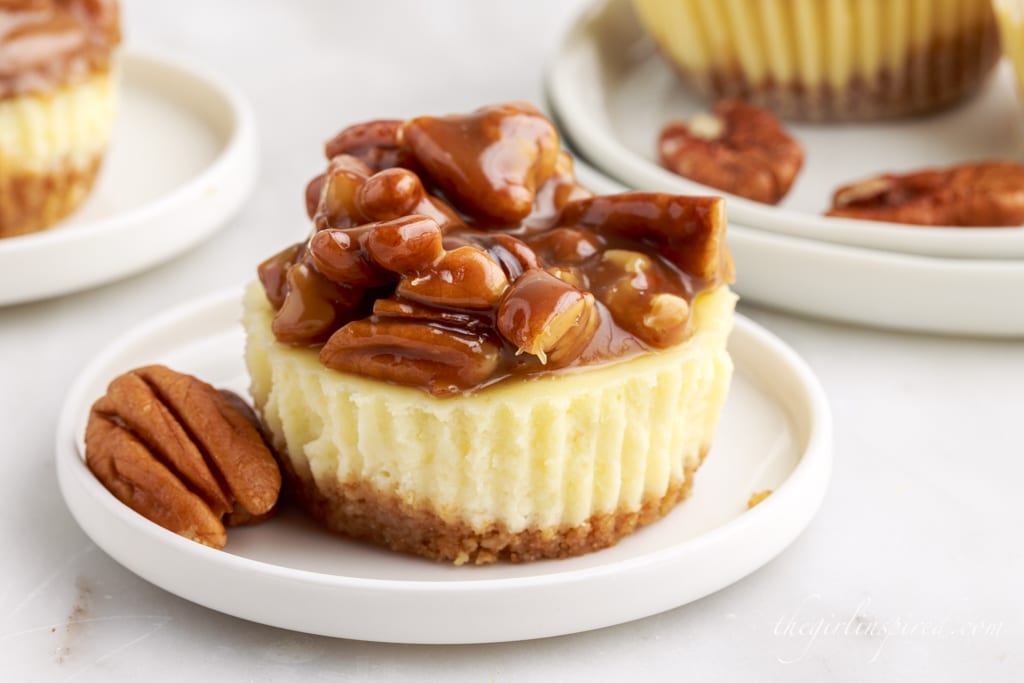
[[346, 195], [452, 252], [739, 148], [181, 454], [987, 193], [314, 306], [547, 317]]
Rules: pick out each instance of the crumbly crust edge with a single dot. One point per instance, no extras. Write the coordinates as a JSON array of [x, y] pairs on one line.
[[358, 509], [30, 202]]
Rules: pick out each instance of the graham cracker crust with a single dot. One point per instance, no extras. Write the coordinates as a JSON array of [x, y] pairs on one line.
[[30, 202], [359, 510]]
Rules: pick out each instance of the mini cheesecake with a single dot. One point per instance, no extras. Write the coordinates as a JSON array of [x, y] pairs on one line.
[[476, 366], [828, 60], [57, 102]]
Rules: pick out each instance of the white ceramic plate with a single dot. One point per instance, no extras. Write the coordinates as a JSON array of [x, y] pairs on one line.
[[612, 94], [182, 161], [868, 287], [775, 433]]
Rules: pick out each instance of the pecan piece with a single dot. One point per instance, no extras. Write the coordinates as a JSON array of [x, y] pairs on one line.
[[340, 256], [555, 192], [391, 193], [637, 291], [416, 352], [566, 245], [410, 244], [313, 307], [127, 468], [491, 162], [398, 308], [178, 452], [273, 273], [688, 231], [375, 143], [397, 192], [314, 188], [547, 317], [465, 277], [572, 275], [513, 255], [739, 148], [337, 206], [987, 193]]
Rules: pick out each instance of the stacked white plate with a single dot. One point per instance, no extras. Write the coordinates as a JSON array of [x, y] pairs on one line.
[[611, 93]]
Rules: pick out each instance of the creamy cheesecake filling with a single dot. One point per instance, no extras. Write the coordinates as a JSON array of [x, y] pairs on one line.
[[545, 453], [803, 56], [70, 125]]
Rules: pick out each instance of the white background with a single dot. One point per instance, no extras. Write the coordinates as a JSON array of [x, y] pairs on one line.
[[919, 540]]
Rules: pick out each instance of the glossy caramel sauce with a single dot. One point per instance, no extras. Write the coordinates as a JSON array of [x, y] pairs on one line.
[[48, 43], [450, 253]]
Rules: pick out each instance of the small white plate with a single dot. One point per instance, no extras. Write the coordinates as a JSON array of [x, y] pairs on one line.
[[612, 93], [182, 161], [868, 287], [775, 433]]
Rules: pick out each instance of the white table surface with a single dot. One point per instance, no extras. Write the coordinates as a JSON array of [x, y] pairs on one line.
[[913, 570]]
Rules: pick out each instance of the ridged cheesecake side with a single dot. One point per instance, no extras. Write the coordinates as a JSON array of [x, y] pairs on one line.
[[546, 467], [51, 148], [836, 60], [1010, 17]]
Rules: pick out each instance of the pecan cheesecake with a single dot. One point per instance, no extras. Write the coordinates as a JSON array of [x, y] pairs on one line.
[[840, 60], [474, 359], [57, 100]]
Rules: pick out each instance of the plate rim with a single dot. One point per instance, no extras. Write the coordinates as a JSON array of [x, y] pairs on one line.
[[815, 460], [237, 150], [606, 151]]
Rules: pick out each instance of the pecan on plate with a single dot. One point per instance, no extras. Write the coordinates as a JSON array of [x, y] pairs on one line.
[[988, 193], [738, 148], [181, 454]]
